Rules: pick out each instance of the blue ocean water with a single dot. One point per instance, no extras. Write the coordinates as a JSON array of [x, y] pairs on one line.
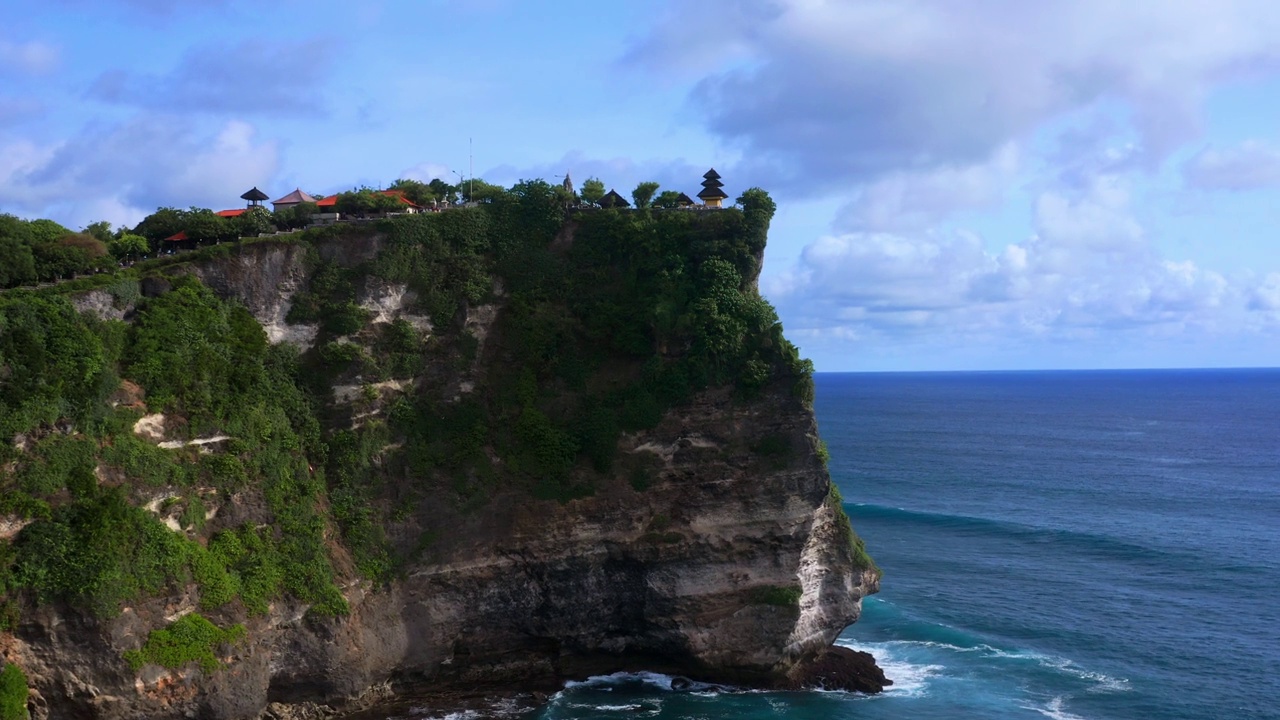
[[1055, 544]]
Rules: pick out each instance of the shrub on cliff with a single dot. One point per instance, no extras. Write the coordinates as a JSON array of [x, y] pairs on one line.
[[13, 693], [189, 639]]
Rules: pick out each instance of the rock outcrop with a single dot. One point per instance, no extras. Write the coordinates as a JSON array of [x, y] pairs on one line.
[[702, 557]]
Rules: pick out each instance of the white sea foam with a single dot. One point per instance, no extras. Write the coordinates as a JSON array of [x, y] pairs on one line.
[[1053, 709], [614, 708], [652, 679], [1102, 683], [909, 679]]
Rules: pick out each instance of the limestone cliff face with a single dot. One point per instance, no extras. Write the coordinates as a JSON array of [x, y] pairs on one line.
[[720, 562]]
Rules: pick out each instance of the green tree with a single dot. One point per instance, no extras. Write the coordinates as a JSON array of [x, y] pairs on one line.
[[257, 220], [477, 190], [419, 193], [71, 254], [365, 201], [667, 199], [443, 190], [128, 246], [161, 224], [592, 190], [17, 264], [46, 231], [643, 194], [204, 226], [101, 230]]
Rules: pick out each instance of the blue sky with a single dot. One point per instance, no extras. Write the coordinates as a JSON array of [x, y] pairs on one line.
[[986, 185]]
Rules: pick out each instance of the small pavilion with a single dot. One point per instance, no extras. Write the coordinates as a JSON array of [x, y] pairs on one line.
[[297, 197], [712, 196], [613, 199], [254, 196], [685, 201]]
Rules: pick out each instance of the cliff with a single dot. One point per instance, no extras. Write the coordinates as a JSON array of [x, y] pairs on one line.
[[496, 447]]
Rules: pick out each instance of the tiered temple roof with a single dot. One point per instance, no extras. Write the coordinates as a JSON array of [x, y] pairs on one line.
[[711, 193]]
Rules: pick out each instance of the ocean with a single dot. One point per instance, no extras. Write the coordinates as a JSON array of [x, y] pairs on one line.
[[1100, 545]]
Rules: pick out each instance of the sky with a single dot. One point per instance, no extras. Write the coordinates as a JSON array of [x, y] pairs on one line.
[[962, 185]]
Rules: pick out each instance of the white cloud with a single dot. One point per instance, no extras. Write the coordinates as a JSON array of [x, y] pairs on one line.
[[844, 91], [1248, 166], [915, 199], [122, 172], [428, 171], [29, 58], [1088, 274]]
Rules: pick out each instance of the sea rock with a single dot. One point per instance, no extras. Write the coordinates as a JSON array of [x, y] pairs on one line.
[[840, 668]]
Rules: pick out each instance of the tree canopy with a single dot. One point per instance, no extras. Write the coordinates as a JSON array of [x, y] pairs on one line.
[[643, 194], [592, 190]]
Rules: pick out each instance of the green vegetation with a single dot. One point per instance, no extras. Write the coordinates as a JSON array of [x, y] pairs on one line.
[[857, 547], [608, 319], [777, 595], [189, 639], [13, 693]]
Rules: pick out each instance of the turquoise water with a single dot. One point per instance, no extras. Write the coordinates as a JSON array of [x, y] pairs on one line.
[[1055, 544]]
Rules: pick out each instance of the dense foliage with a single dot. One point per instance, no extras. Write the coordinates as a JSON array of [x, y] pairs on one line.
[[189, 639], [13, 693], [608, 319], [42, 250], [200, 360]]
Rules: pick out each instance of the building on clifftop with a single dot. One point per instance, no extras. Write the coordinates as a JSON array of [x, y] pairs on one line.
[[297, 197], [712, 196], [613, 199], [254, 196]]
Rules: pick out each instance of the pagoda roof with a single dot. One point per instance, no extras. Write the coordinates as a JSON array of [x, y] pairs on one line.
[[613, 199], [293, 198], [230, 213], [712, 174], [255, 195], [712, 193], [685, 200]]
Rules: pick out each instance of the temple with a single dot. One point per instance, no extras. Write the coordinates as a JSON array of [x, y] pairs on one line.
[[712, 196], [613, 199]]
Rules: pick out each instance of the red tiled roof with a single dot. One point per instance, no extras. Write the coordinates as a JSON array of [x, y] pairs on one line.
[[177, 237], [230, 213], [327, 202], [399, 195]]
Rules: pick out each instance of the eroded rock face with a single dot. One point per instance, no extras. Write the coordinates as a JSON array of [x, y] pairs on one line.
[[699, 557], [528, 593], [264, 278]]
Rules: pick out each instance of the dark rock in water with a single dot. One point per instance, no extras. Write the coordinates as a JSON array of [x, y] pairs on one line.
[[680, 684], [839, 668]]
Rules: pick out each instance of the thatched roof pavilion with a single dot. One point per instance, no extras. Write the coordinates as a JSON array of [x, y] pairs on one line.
[[613, 199], [254, 196]]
